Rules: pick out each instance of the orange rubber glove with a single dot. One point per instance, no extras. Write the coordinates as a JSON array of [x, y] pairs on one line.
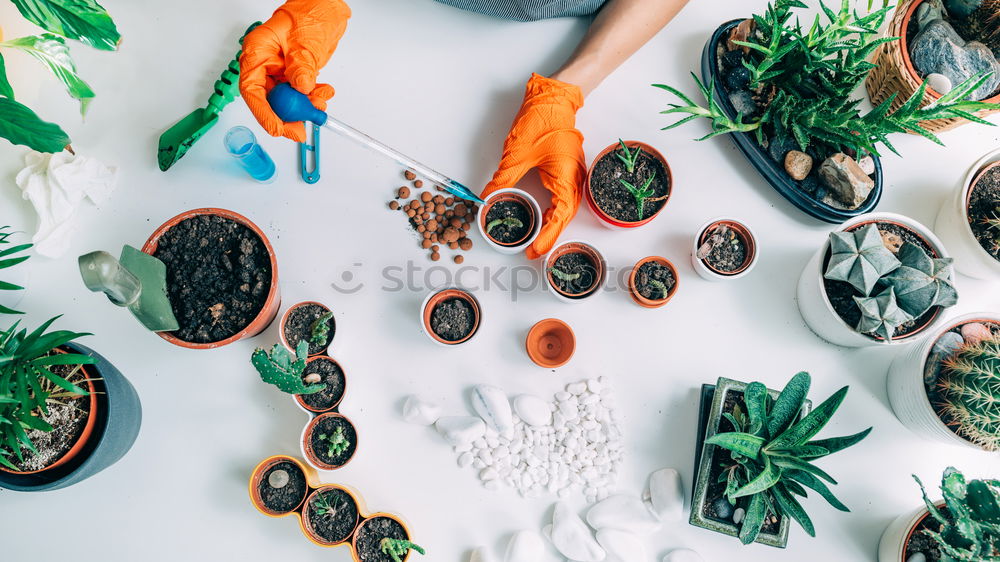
[[292, 47], [544, 136]]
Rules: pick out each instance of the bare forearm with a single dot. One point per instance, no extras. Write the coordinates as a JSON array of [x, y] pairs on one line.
[[619, 30]]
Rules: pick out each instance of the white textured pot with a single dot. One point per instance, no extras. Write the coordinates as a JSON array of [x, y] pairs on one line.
[[710, 274], [815, 307], [892, 546], [952, 226], [907, 393], [534, 208]]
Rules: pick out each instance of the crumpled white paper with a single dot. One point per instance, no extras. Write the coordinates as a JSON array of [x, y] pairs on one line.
[[56, 184]]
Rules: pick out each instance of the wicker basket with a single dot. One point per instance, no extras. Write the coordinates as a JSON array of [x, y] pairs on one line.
[[895, 73]]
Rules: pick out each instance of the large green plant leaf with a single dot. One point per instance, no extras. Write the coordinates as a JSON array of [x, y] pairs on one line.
[[20, 125], [789, 404], [5, 88], [84, 20], [53, 52], [744, 444]]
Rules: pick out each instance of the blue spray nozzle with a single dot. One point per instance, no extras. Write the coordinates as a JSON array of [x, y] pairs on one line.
[[291, 105]]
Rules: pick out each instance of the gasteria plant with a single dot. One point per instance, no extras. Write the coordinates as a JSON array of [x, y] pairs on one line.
[[284, 370], [771, 454], [970, 520], [397, 548], [806, 77], [9, 258], [969, 391]]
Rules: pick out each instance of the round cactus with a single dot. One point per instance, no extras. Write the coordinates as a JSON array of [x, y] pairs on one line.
[[970, 392]]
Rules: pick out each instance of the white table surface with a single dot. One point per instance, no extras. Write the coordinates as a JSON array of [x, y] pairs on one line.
[[442, 85]]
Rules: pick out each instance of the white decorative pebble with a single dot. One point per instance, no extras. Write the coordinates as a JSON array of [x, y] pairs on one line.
[[278, 479], [420, 412], [683, 555], [491, 485], [940, 84], [488, 474], [571, 537], [624, 513], [465, 459], [576, 388], [533, 410], [492, 404], [481, 554], [917, 557], [525, 546], [621, 546], [738, 515], [460, 429], [665, 494]]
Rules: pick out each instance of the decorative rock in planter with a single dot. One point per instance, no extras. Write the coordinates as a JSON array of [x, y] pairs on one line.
[[847, 181], [939, 49]]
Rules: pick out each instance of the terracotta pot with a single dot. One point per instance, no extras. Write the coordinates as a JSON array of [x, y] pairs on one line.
[[652, 303], [600, 275], [550, 343], [288, 313], [608, 220], [528, 202], [304, 522], [437, 297], [952, 225], [354, 539], [258, 474], [271, 305], [706, 270], [897, 536], [306, 442], [88, 428], [310, 409]]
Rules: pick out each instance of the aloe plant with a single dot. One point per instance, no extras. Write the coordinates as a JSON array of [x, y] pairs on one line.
[[397, 548], [969, 391], [323, 506], [922, 282], [881, 314], [640, 194], [772, 454], [284, 370], [9, 258], [969, 525], [859, 257], [629, 158], [320, 329]]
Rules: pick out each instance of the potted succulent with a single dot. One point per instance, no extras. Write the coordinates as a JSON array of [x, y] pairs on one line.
[[383, 538], [11, 292], [786, 93], [66, 413], [919, 30], [724, 249], [969, 222], [318, 383], [329, 441], [550, 343], [963, 526], [652, 282], [279, 485], [941, 389], [575, 271], [510, 220], [628, 184], [757, 456], [330, 515], [879, 279], [451, 316], [308, 321], [222, 277]]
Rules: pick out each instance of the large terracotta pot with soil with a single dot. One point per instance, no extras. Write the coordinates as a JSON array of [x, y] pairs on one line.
[[329, 441], [369, 535], [828, 307], [574, 271], [653, 281], [330, 515], [510, 220], [90, 433], [451, 316], [724, 249], [932, 393], [969, 221], [222, 277], [628, 184], [332, 375], [279, 485], [310, 321], [902, 539]]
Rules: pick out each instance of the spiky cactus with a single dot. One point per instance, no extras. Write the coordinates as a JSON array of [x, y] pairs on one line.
[[284, 370], [970, 523], [969, 388], [881, 314], [320, 329], [859, 257], [922, 282], [336, 442]]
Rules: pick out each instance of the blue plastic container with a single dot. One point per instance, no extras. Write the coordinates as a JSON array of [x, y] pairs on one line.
[[242, 145]]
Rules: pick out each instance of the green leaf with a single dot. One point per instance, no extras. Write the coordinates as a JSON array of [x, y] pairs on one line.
[[791, 507], [755, 397], [754, 519], [789, 404], [20, 125], [52, 51], [834, 444], [5, 89], [84, 20], [811, 481], [744, 444], [810, 425], [764, 481]]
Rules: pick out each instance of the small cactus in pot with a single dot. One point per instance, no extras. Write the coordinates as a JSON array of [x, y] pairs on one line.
[[969, 392], [969, 523], [921, 282]]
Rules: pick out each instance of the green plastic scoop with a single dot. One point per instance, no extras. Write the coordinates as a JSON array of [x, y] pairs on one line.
[[137, 281], [177, 140]]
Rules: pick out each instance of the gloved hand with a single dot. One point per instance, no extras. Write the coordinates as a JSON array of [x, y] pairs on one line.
[[544, 136], [291, 47]]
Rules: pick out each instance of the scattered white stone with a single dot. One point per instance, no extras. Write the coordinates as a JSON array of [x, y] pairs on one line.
[[571, 537], [278, 479], [492, 404], [525, 546], [940, 84], [738, 514], [665, 494], [420, 412], [481, 554], [624, 513], [465, 459], [621, 546], [683, 555], [533, 410], [458, 430]]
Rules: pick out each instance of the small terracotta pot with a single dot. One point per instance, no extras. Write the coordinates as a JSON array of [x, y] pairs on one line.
[[88, 428], [271, 305], [306, 442], [525, 200], [550, 343], [608, 220], [304, 522], [308, 408], [438, 297], [354, 539], [258, 475], [287, 315], [596, 259], [634, 292], [706, 270]]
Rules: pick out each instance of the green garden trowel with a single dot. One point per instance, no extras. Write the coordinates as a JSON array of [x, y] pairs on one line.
[[137, 281], [177, 140]]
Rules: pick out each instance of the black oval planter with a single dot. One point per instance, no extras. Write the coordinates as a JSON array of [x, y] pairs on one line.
[[119, 418], [772, 171]]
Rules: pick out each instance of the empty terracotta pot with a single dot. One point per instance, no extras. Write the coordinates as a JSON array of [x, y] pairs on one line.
[[550, 343]]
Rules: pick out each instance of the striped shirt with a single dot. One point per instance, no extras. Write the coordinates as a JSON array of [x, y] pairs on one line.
[[528, 10]]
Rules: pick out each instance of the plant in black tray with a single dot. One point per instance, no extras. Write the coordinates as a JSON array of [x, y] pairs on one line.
[[397, 548], [285, 370], [771, 455]]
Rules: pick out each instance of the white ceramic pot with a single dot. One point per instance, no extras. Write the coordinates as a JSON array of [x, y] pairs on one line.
[[536, 228], [952, 226], [892, 546], [710, 274], [550, 258], [908, 394], [816, 309]]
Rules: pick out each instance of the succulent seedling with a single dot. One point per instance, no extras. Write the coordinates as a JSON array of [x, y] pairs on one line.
[[630, 159], [509, 222], [563, 276], [660, 287], [969, 388], [320, 329], [641, 194], [323, 506], [881, 314], [718, 235], [921, 282], [397, 548], [967, 528], [284, 370], [859, 257], [336, 442]]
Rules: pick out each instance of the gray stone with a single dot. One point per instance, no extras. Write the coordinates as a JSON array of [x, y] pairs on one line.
[[798, 164], [939, 83], [810, 185], [962, 8], [939, 49], [929, 11], [848, 183], [723, 509], [948, 344], [278, 479], [742, 100], [779, 148]]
